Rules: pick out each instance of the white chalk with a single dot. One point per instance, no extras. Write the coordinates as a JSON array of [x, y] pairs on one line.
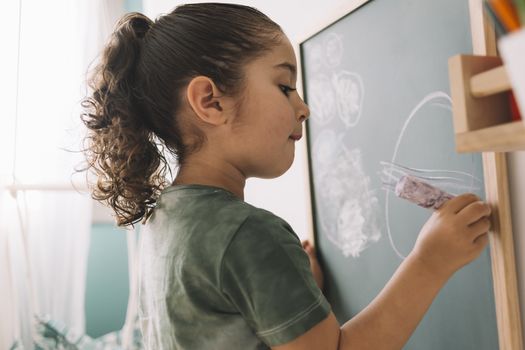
[[421, 193]]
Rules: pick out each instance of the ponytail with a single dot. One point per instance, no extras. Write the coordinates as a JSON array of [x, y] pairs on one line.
[[122, 150]]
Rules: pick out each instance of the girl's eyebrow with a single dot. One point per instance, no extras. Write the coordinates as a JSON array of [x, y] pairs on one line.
[[289, 66]]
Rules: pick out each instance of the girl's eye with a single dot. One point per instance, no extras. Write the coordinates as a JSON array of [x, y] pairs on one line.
[[286, 89]]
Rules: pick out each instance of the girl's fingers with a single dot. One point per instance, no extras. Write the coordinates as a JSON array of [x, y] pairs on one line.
[[481, 241], [457, 203], [479, 228], [474, 211], [308, 247]]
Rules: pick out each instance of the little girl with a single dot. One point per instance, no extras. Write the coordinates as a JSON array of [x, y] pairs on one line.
[[213, 85]]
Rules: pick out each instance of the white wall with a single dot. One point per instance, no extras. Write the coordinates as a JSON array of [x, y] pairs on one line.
[[288, 195]]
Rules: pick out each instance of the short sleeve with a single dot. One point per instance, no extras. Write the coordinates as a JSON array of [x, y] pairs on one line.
[[266, 275]]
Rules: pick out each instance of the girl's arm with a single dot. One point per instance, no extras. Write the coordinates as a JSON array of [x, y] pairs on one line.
[[389, 321], [452, 237]]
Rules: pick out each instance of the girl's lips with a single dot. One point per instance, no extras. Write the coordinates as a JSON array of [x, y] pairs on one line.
[[296, 137]]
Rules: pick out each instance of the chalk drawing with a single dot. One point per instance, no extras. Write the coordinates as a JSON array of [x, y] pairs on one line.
[[334, 49], [322, 97], [348, 207], [336, 92], [452, 183], [315, 59], [349, 97]]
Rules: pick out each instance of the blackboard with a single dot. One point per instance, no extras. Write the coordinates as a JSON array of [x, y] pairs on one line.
[[376, 81]]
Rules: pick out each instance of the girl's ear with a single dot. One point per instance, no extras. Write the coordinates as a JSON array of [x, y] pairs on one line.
[[205, 100]]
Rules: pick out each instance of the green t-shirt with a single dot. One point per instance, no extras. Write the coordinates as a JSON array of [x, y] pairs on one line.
[[219, 273]]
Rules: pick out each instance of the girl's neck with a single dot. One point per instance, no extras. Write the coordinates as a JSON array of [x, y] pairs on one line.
[[206, 173]]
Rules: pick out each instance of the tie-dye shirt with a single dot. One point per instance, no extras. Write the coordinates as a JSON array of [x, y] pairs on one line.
[[218, 273]]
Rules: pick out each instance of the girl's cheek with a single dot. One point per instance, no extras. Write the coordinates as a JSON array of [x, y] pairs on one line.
[[277, 133]]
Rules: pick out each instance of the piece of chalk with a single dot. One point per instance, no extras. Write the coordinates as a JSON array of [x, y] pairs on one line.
[[421, 193]]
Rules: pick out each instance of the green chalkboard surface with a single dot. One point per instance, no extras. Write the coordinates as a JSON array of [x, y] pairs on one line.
[[376, 81]]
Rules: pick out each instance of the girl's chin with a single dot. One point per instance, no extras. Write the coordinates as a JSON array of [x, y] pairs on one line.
[[277, 171]]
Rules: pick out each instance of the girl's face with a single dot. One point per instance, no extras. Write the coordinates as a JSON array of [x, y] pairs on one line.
[[270, 116]]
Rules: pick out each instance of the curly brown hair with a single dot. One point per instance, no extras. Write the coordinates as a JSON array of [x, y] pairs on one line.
[[131, 114]]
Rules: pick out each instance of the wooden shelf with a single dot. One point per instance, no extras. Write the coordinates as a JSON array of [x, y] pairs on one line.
[[482, 118]]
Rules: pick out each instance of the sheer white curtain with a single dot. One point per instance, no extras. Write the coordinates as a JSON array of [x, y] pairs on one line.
[[44, 223]]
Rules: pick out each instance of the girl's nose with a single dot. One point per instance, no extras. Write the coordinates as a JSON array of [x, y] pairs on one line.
[[303, 112]]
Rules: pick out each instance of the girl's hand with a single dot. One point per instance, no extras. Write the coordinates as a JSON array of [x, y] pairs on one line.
[[314, 263], [454, 235]]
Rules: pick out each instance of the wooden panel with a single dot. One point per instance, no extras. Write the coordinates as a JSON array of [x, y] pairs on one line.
[[496, 188], [500, 138], [502, 252]]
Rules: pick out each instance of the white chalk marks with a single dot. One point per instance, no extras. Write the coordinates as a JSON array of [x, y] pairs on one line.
[[322, 100], [336, 92], [348, 208], [334, 49], [451, 181], [349, 97], [329, 54]]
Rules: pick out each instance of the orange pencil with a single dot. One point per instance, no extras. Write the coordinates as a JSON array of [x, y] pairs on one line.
[[506, 12]]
